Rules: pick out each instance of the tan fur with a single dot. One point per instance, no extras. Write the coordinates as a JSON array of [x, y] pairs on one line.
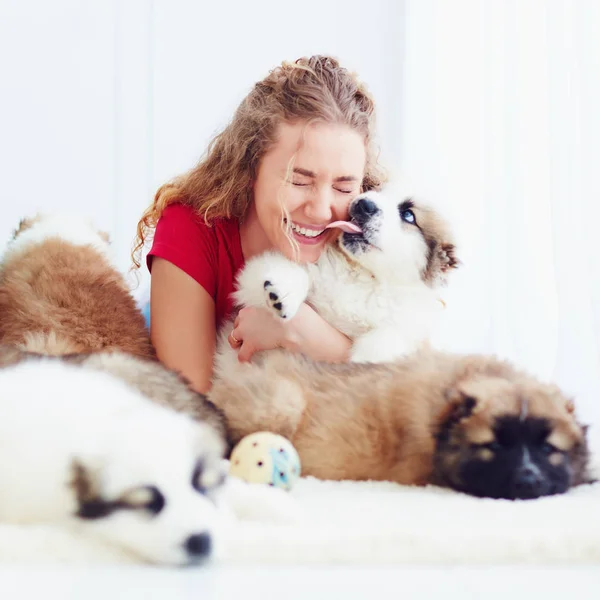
[[379, 422], [56, 298], [440, 242]]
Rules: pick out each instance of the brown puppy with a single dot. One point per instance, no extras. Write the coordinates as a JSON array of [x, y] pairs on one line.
[[471, 423], [60, 294]]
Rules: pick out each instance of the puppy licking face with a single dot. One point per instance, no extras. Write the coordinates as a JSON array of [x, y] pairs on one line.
[[402, 241], [514, 440]]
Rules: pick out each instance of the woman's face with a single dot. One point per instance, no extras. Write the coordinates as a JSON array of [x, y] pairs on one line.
[[327, 167]]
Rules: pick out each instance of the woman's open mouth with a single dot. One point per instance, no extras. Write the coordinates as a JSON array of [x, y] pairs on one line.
[[310, 235]]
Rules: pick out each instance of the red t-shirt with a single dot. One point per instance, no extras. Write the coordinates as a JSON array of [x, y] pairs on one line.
[[210, 254]]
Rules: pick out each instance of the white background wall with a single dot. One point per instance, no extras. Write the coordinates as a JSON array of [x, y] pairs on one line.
[[102, 101]]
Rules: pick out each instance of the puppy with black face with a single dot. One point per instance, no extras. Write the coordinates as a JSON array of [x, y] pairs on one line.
[[472, 423], [379, 283], [509, 440]]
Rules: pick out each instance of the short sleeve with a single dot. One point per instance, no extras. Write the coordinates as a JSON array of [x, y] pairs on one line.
[[185, 240]]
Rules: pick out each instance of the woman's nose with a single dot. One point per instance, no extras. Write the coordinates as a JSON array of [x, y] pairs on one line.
[[318, 207]]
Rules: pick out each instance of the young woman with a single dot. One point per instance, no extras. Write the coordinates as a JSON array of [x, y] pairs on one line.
[[298, 149]]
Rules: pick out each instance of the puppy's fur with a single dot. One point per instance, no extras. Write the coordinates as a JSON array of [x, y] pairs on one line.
[[379, 287], [95, 443], [471, 423], [60, 294], [155, 381], [82, 449]]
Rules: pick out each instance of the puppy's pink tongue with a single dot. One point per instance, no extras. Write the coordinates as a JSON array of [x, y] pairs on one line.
[[345, 226]]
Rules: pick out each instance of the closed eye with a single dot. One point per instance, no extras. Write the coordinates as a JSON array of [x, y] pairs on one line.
[[145, 498], [206, 479], [494, 446], [548, 449]]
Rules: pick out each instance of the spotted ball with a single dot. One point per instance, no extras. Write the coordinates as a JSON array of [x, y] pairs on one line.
[[267, 458]]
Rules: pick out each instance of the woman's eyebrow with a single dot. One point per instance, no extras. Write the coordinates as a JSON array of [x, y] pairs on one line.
[[307, 173]]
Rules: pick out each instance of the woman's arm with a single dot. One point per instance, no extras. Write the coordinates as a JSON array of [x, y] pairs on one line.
[[182, 323], [307, 332], [310, 334]]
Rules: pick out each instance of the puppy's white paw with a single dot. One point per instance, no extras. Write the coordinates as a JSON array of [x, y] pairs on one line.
[[273, 280], [259, 502], [285, 291]]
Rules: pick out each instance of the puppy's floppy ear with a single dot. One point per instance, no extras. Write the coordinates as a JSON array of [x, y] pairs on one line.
[[24, 224], [447, 257], [86, 486], [460, 406]]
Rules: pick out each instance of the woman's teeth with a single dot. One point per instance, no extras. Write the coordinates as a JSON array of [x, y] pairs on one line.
[[309, 233]]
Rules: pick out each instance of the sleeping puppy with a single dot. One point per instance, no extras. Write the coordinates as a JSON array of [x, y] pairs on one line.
[[379, 283], [61, 294], [470, 423], [83, 450]]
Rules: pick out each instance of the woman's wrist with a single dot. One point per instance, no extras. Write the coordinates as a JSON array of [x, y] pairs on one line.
[[308, 333]]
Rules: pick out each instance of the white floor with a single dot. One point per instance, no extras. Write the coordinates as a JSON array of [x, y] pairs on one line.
[[307, 583]]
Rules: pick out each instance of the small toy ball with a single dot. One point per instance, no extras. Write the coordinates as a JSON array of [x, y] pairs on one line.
[[265, 457]]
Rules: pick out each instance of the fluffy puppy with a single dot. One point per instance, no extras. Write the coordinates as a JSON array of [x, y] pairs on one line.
[[379, 283], [148, 376], [471, 423], [84, 450], [60, 293]]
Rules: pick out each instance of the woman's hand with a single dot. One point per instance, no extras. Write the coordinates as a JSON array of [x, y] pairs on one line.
[[257, 329]]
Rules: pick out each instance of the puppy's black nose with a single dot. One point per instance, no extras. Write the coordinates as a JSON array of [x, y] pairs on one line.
[[365, 208], [199, 545], [527, 483]]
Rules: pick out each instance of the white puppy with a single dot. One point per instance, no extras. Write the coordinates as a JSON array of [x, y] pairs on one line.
[[379, 284], [84, 449], [87, 452]]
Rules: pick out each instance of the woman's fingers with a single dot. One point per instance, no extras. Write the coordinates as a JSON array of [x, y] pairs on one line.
[[234, 341], [246, 352]]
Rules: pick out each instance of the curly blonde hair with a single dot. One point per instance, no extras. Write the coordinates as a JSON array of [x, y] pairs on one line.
[[309, 89]]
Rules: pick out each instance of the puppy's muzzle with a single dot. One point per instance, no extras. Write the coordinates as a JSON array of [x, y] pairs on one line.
[[198, 546], [528, 484], [363, 210]]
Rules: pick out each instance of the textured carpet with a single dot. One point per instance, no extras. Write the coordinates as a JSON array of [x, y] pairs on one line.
[[374, 523]]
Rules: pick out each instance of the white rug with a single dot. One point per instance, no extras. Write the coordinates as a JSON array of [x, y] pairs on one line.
[[382, 523], [376, 523]]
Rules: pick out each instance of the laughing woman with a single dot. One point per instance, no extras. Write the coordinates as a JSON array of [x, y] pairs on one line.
[[298, 149]]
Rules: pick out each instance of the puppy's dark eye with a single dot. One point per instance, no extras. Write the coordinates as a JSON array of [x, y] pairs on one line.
[[408, 216], [548, 449], [494, 446]]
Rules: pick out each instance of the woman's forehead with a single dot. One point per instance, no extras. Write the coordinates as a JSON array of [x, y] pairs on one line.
[[319, 148]]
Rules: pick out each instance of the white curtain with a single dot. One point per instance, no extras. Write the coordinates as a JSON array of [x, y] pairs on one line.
[[501, 124]]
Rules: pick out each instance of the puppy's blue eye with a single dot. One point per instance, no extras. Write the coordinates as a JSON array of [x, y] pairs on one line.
[[408, 216]]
